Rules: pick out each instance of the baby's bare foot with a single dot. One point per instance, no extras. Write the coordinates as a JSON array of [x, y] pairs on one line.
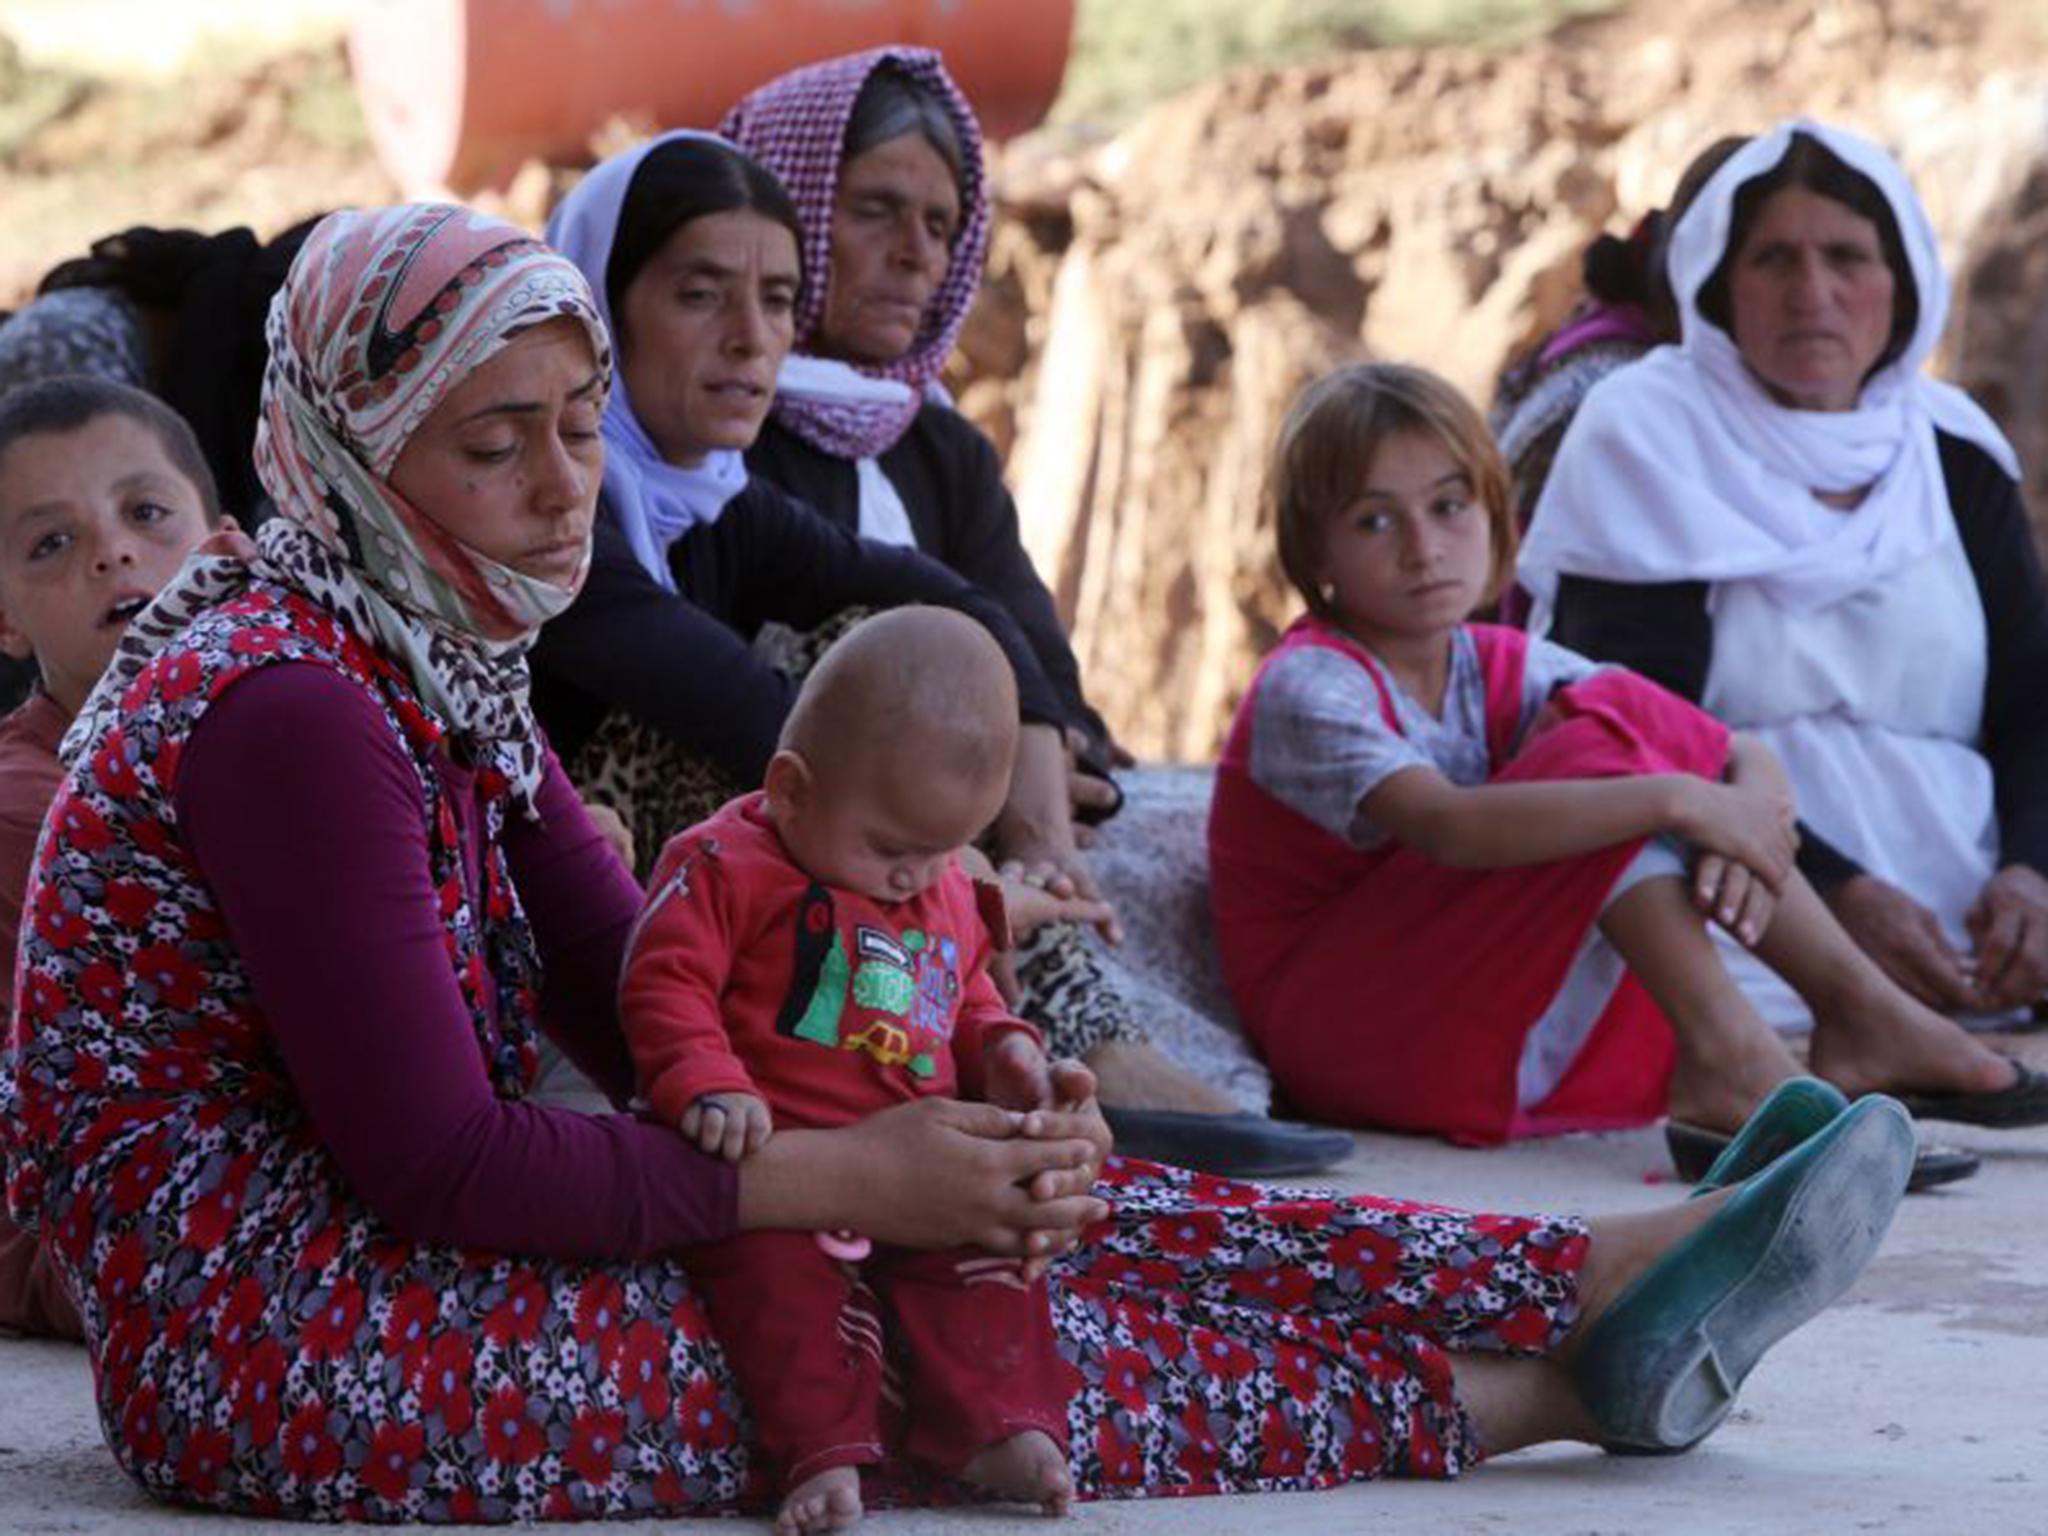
[[1028, 1468], [828, 1502]]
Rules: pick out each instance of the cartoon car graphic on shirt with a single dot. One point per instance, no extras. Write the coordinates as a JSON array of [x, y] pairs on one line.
[[904, 989]]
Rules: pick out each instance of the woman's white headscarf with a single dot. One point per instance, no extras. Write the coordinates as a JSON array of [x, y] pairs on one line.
[[655, 502], [1681, 467]]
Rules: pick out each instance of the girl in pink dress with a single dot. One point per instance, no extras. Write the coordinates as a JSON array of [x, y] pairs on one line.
[[1461, 877]]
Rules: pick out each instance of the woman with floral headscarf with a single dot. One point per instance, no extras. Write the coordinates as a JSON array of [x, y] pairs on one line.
[[1782, 517], [881, 154], [316, 881]]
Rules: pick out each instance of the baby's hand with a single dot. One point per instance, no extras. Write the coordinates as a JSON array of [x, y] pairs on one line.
[[1014, 1073], [728, 1125]]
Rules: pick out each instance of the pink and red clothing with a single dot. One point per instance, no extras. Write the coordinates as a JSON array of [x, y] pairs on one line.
[[746, 975], [32, 1294], [1386, 989], [938, 1355], [29, 775]]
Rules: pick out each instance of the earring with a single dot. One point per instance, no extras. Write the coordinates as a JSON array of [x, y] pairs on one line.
[[1328, 593]]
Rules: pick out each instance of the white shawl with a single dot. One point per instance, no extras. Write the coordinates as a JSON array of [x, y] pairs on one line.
[[1681, 467]]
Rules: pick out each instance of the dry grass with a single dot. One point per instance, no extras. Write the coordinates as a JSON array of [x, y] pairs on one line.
[[1127, 55]]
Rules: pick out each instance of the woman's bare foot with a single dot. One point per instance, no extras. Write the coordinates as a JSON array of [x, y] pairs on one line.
[[1133, 1075], [830, 1501], [1869, 1034], [1878, 1038], [1027, 1468], [1516, 1401]]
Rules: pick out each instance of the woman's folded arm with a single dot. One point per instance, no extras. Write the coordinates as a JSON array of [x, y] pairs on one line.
[[304, 814]]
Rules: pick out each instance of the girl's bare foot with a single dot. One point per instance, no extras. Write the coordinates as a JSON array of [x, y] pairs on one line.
[[1720, 1092], [1027, 1468], [1133, 1075], [830, 1501]]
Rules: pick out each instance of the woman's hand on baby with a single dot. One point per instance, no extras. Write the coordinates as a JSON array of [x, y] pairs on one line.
[[1072, 1112], [942, 1173], [1749, 824], [728, 1125], [1044, 893]]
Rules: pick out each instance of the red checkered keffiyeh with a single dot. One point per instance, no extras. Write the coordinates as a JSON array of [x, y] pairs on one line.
[[796, 126]]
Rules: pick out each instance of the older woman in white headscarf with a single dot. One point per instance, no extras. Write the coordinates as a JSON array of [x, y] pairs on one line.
[[1786, 519]]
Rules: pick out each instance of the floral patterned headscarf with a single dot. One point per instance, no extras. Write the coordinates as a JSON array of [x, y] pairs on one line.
[[386, 311], [795, 125]]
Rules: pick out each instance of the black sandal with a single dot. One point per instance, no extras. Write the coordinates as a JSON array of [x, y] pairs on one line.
[[2020, 1103], [1241, 1145], [1694, 1148]]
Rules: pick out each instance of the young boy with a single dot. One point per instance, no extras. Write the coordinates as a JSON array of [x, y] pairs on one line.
[[103, 493], [812, 954]]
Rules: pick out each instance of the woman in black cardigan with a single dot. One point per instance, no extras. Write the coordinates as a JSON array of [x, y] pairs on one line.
[[882, 155]]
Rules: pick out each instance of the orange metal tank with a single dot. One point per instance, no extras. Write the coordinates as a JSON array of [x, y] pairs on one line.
[[457, 93]]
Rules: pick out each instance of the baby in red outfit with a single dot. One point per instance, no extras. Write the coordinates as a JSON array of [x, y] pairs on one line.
[[814, 953]]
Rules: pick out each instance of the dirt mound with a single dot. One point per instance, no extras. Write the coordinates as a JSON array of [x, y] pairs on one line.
[[1167, 293], [82, 157]]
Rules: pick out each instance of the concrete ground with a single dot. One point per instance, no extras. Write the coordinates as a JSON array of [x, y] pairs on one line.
[[1919, 1404]]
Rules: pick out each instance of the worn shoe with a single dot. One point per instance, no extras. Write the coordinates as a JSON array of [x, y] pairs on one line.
[[1659, 1370], [1239, 1146], [1794, 1111]]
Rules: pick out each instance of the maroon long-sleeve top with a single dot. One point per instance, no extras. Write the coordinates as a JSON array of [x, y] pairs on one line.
[[304, 813]]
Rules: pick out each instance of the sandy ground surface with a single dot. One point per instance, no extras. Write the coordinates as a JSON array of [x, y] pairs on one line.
[[1919, 1404]]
